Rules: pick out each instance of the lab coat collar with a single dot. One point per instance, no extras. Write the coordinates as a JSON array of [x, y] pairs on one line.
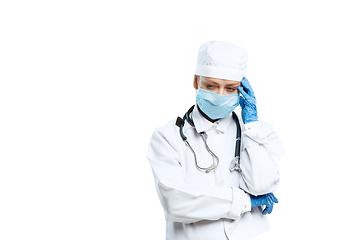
[[202, 124]]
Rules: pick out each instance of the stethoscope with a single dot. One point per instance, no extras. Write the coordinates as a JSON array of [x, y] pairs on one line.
[[234, 164]]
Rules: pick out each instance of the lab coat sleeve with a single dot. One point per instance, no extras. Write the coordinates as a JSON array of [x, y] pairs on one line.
[[184, 202], [260, 156]]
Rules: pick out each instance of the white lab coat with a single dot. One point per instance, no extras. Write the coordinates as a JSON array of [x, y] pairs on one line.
[[199, 205]]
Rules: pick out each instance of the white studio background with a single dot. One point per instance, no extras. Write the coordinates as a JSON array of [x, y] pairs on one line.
[[83, 84]]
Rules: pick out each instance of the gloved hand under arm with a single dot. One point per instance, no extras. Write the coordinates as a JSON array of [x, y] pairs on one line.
[[267, 199], [247, 102]]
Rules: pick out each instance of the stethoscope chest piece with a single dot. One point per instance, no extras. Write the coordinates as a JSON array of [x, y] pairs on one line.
[[235, 164]]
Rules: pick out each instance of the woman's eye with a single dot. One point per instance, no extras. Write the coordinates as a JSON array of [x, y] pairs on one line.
[[231, 89], [210, 86]]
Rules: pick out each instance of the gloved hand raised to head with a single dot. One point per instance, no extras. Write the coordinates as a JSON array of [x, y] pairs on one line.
[[267, 199], [247, 102]]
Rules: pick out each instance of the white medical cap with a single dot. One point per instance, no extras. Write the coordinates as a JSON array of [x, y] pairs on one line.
[[221, 60]]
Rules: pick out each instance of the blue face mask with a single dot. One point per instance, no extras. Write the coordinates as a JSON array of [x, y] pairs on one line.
[[214, 105]]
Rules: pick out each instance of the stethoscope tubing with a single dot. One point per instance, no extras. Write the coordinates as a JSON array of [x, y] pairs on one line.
[[187, 118]]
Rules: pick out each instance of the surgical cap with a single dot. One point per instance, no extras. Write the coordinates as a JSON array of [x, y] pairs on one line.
[[221, 60]]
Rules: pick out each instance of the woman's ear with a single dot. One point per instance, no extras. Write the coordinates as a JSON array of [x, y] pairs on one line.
[[196, 85]]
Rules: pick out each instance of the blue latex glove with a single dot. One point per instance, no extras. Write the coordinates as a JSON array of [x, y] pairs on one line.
[[267, 199], [247, 102]]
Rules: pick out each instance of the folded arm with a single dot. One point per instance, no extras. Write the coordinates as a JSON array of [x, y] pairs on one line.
[[260, 156]]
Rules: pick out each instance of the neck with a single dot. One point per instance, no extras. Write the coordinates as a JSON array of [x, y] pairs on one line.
[[205, 116]]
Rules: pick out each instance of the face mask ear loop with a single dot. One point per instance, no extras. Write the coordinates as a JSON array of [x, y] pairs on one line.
[[198, 80]]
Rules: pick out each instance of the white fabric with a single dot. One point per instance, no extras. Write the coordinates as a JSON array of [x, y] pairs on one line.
[[222, 60], [200, 205]]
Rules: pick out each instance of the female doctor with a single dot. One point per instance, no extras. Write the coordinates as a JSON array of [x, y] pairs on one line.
[[207, 191]]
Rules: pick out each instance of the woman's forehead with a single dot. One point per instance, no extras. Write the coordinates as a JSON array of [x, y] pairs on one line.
[[220, 81]]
